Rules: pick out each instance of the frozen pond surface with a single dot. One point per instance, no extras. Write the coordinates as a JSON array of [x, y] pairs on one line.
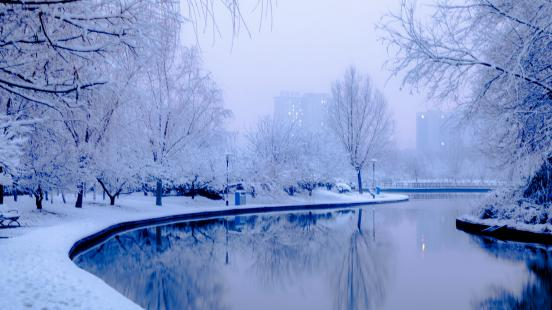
[[397, 256]]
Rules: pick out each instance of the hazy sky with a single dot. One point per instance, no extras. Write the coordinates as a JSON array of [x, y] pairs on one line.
[[309, 45]]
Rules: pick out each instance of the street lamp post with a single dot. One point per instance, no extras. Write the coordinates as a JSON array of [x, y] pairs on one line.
[[373, 160], [227, 176]]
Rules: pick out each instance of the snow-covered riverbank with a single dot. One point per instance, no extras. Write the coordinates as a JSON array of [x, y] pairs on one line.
[[37, 271], [508, 207]]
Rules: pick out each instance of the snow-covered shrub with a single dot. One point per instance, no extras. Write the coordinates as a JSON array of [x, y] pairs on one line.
[[539, 188], [507, 206], [290, 190], [307, 185], [342, 187], [199, 189]]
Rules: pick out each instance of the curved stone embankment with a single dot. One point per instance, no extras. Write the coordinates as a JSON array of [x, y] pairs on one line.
[[100, 236], [503, 232]]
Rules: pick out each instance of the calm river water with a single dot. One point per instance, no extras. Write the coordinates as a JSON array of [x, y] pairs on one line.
[[397, 256]]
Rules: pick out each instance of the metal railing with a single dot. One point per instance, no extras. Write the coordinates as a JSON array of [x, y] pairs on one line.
[[443, 184]]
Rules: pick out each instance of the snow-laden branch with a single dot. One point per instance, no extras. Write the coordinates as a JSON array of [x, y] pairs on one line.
[[491, 57]]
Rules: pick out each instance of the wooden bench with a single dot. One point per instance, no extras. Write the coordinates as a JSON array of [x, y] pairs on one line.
[[7, 218]]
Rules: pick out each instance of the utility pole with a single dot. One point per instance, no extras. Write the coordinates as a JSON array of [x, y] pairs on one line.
[[373, 160], [227, 177]]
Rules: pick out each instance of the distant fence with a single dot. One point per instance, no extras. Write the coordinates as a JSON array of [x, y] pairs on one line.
[[439, 184], [440, 187]]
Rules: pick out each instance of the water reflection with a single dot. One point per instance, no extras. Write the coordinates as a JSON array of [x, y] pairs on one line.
[[158, 267], [180, 266], [537, 291], [403, 256], [363, 272]]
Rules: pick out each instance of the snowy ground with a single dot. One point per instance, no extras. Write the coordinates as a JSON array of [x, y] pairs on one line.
[[36, 271]]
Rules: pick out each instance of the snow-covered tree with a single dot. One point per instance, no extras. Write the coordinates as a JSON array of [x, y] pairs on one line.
[[360, 119], [493, 58], [181, 107], [60, 55], [275, 148], [116, 165], [74, 64], [12, 138], [47, 164]]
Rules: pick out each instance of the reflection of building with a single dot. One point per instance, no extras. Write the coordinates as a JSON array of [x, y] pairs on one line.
[[435, 132], [306, 110]]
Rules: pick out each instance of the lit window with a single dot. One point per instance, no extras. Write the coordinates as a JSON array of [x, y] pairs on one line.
[[442, 143], [423, 116]]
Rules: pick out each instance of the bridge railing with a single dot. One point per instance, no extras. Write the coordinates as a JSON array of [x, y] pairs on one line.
[[437, 184]]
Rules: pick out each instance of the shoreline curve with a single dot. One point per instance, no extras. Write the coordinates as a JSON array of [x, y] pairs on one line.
[[505, 232], [90, 241]]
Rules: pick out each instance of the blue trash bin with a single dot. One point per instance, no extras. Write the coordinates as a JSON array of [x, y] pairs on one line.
[[239, 198]]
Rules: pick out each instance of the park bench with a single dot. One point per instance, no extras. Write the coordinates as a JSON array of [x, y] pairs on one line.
[[7, 218]]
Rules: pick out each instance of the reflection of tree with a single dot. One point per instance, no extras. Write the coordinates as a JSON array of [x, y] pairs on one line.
[[167, 267], [537, 292], [363, 272], [182, 266], [287, 246]]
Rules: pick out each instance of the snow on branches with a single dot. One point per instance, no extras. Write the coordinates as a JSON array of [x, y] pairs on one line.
[[50, 48], [490, 56], [493, 58]]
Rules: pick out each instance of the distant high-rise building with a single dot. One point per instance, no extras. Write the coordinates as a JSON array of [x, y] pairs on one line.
[[306, 110]]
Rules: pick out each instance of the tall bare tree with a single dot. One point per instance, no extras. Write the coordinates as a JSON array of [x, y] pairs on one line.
[[360, 119]]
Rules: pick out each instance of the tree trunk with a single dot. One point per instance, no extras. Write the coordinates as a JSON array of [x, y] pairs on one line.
[[1, 189], [359, 223], [103, 195], [359, 177], [38, 198], [46, 195], [38, 202], [78, 203], [14, 193], [159, 192], [63, 197], [112, 200]]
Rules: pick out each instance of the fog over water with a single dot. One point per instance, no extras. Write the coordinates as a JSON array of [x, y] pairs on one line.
[[307, 46]]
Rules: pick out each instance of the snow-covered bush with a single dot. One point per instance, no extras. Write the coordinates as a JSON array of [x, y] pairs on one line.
[[507, 206], [342, 187]]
